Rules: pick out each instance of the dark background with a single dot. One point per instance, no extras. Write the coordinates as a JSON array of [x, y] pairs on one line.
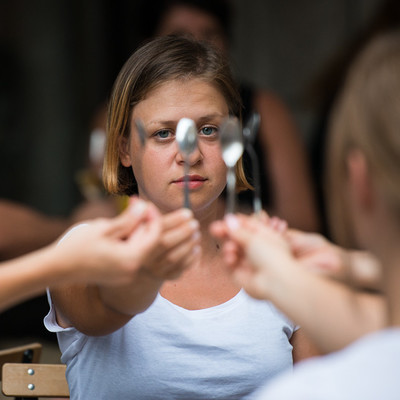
[[59, 59]]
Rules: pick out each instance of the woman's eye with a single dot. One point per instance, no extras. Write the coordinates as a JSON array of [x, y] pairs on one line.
[[208, 131], [163, 134]]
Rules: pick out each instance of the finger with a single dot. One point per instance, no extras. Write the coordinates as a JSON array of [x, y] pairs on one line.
[[237, 230], [231, 253], [189, 261], [179, 252], [262, 216], [149, 232], [302, 242], [175, 261], [278, 224], [176, 218], [218, 229], [180, 234], [123, 225]]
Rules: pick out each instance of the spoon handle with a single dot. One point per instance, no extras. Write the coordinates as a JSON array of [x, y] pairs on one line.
[[231, 188], [186, 202], [257, 204]]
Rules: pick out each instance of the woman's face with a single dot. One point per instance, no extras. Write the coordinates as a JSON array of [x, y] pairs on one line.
[[158, 166], [181, 19]]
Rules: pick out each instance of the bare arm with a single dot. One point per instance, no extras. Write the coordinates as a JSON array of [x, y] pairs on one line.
[[28, 276], [100, 309], [102, 251], [357, 268], [286, 164], [330, 313], [303, 347]]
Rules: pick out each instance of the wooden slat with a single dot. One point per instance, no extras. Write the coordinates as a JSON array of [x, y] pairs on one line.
[[27, 353], [47, 380]]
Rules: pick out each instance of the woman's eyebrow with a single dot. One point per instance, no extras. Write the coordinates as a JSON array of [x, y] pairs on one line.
[[202, 119], [162, 122], [208, 117]]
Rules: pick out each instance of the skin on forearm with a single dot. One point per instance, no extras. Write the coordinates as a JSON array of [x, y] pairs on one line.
[[81, 306], [99, 310], [29, 275], [132, 299], [331, 314]]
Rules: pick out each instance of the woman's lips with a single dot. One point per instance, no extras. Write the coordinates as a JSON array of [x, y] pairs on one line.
[[194, 181]]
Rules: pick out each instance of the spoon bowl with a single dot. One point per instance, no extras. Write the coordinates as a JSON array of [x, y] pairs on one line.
[[231, 141]]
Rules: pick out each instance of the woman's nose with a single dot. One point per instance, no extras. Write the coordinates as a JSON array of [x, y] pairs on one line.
[[193, 158]]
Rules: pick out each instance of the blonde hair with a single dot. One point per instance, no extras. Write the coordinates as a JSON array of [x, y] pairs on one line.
[[161, 60], [367, 117]]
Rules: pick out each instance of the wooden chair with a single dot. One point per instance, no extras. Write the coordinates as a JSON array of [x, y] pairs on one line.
[[23, 377], [29, 353], [34, 380]]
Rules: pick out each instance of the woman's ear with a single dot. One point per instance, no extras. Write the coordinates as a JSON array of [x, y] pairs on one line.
[[360, 180], [124, 153]]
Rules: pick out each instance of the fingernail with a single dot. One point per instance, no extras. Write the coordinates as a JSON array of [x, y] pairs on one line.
[[197, 249], [232, 222], [196, 235], [139, 207], [187, 213], [194, 224]]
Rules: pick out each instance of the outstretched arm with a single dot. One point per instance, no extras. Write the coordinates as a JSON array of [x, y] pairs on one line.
[[101, 309], [331, 313], [100, 251]]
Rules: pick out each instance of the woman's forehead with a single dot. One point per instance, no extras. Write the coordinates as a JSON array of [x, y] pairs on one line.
[[177, 96]]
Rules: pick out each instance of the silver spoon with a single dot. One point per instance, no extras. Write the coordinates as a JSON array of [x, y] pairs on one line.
[[249, 133], [142, 131], [231, 140], [186, 136]]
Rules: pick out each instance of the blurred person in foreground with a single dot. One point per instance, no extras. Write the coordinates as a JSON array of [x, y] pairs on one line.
[[364, 198]]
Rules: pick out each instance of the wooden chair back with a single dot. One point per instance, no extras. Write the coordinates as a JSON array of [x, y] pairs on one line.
[[29, 353], [34, 380]]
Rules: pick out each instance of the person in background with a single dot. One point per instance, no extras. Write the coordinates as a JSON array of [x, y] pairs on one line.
[[364, 208], [106, 251], [185, 330]]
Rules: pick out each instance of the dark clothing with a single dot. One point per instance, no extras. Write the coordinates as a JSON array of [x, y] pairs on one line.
[[246, 197]]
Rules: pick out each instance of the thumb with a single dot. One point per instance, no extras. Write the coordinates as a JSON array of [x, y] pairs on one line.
[[123, 225], [237, 231]]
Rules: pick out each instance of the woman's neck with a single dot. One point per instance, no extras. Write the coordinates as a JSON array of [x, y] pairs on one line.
[[210, 245]]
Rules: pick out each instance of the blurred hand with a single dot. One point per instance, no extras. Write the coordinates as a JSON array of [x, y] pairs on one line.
[[178, 247], [110, 251], [317, 254], [253, 248]]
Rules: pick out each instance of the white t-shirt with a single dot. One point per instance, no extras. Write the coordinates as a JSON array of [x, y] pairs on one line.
[[168, 352], [369, 369]]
